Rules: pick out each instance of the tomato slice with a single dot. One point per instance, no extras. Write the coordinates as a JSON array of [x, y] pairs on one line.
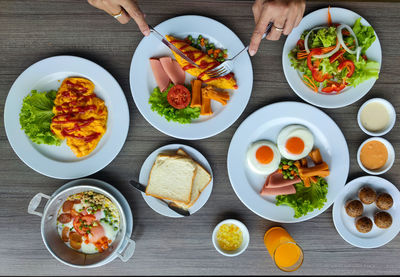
[[300, 44], [179, 97]]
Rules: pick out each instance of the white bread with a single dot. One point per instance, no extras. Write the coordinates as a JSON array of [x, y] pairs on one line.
[[172, 178], [201, 180]]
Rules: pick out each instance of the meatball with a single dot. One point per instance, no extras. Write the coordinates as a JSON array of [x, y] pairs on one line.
[[367, 195], [354, 208], [384, 201], [364, 224], [383, 220]]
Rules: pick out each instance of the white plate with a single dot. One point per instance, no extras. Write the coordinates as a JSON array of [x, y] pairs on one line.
[[266, 123], [142, 80], [350, 94], [59, 161], [345, 224], [156, 204]]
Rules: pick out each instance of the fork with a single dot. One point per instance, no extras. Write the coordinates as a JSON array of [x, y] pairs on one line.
[[227, 66]]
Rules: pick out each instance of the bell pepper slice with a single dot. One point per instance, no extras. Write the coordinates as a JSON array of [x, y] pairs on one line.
[[349, 65]]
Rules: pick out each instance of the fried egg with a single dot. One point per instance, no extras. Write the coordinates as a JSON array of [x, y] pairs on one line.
[[263, 157], [295, 142]]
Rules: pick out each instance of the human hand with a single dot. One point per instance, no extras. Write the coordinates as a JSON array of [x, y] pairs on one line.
[[285, 15], [123, 11]]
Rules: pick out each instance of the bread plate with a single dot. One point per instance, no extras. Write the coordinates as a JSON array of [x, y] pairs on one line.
[[59, 161], [265, 124], [344, 224], [157, 205]]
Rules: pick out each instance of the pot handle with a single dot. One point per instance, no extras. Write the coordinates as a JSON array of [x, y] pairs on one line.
[[126, 253], [34, 203]]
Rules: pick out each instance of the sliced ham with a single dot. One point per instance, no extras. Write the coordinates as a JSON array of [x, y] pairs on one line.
[[278, 191], [97, 232], [161, 77], [276, 180], [174, 71]]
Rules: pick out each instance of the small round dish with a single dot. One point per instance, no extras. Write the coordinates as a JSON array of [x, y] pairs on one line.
[[243, 246], [392, 117], [389, 162], [344, 224]]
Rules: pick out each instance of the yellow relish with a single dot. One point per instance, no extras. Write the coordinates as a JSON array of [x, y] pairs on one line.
[[229, 237]]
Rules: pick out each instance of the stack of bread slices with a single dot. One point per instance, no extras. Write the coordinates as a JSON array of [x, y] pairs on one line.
[[177, 178]]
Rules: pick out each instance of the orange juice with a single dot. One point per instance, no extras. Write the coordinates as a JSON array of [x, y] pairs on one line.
[[286, 254]]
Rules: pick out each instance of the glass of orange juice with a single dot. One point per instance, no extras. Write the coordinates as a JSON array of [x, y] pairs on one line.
[[285, 252]]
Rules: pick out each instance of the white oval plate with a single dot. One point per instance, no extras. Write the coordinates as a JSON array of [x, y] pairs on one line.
[[59, 161], [144, 174], [142, 80], [350, 94], [345, 224], [266, 123]]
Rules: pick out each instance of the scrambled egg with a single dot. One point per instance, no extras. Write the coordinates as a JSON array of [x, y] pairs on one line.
[[205, 62], [80, 116]]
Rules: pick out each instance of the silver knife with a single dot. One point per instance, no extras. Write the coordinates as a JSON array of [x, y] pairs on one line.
[[170, 205], [171, 46]]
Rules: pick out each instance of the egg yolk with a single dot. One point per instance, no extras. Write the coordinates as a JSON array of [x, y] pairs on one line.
[[264, 154], [295, 145]]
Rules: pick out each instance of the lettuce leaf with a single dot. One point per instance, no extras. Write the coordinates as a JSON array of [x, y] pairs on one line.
[[305, 200], [364, 70], [35, 117], [365, 35], [159, 103]]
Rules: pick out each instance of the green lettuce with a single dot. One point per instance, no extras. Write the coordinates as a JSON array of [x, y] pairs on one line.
[[159, 103], [305, 200], [364, 70], [365, 35], [35, 117]]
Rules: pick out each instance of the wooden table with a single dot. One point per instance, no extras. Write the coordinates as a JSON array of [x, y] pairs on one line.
[[34, 30]]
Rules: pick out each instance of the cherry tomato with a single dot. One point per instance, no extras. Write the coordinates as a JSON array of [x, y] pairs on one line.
[[178, 97]]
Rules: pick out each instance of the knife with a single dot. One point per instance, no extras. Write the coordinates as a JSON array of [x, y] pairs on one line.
[[172, 47], [170, 205]]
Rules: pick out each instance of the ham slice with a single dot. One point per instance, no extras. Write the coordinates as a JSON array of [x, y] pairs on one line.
[[161, 77], [97, 232], [276, 180], [174, 71], [277, 185], [278, 191]]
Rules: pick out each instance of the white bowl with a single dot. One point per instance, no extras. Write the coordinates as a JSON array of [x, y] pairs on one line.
[[389, 162], [392, 117], [245, 242]]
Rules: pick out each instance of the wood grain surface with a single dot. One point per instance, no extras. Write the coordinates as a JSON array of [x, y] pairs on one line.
[[37, 29]]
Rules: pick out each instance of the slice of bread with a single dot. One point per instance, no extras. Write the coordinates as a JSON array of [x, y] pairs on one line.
[[172, 178], [201, 180]]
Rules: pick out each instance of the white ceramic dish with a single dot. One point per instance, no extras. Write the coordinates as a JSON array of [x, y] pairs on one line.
[[266, 124], [243, 246], [345, 224], [156, 204], [142, 80], [350, 94], [389, 162], [59, 161], [391, 112]]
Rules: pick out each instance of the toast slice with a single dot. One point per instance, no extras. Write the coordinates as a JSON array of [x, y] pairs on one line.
[[172, 178], [201, 181]]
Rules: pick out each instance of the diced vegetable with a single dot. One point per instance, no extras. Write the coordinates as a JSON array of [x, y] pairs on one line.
[[196, 94]]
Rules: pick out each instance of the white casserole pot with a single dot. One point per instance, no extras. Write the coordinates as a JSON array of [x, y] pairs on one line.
[[122, 247]]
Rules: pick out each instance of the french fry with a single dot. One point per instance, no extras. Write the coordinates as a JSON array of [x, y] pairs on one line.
[[315, 156]]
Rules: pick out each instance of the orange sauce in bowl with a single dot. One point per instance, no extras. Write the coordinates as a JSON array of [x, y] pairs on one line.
[[373, 155]]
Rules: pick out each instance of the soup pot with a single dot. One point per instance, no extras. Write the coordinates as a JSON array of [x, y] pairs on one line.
[[122, 247]]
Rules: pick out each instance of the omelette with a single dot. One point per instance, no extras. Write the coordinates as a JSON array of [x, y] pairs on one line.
[[80, 116], [205, 63]]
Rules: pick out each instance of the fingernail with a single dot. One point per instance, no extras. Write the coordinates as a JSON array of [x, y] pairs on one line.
[[252, 52]]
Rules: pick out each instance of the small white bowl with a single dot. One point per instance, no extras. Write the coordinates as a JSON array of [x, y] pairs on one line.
[[245, 242], [392, 117], [389, 162]]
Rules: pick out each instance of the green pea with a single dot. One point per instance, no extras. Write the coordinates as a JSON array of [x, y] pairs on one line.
[[115, 228], [189, 37], [290, 168], [200, 36], [285, 176], [290, 163], [280, 166], [206, 41], [225, 51], [110, 224], [284, 162], [291, 177], [212, 55]]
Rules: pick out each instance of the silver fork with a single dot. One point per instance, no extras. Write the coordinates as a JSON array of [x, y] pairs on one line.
[[227, 66]]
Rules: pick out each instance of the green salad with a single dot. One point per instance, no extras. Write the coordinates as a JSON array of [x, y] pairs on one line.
[[332, 57], [306, 199], [35, 117], [159, 103]]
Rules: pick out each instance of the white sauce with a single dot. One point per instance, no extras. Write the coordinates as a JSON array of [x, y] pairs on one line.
[[374, 117]]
